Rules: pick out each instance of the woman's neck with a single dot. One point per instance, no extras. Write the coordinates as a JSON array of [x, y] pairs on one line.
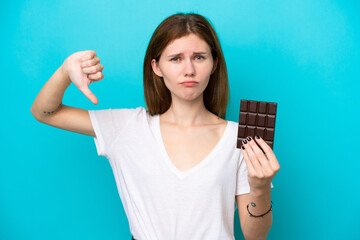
[[188, 114]]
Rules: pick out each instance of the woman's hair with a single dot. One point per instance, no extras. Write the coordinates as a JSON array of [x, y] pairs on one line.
[[157, 96]]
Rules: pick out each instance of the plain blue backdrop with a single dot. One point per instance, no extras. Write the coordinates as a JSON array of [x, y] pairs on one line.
[[304, 55]]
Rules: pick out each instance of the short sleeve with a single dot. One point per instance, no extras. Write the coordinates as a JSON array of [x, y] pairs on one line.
[[242, 183], [108, 125]]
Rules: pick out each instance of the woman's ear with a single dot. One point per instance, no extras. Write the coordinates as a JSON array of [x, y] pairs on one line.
[[215, 65], [156, 68]]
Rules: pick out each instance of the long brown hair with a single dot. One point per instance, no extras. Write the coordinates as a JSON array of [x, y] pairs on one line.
[[157, 96]]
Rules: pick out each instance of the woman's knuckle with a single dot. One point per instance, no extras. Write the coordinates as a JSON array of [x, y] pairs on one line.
[[251, 174], [268, 174]]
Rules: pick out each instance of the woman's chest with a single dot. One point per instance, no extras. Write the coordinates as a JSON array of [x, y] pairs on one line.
[[186, 149]]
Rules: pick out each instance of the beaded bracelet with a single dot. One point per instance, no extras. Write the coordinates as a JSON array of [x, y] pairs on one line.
[[251, 215]]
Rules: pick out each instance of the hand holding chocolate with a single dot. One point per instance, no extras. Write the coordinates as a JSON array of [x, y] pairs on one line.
[[258, 119]]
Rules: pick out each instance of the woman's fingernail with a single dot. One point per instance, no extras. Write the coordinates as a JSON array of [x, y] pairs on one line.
[[248, 138], [257, 137], [244, 141], [243, 147]]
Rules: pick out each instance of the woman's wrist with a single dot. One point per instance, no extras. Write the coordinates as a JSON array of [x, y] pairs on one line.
[[64, 74], [260, 191], [260, 200]]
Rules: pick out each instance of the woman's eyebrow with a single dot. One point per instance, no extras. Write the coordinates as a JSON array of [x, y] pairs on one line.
[[181, 54]]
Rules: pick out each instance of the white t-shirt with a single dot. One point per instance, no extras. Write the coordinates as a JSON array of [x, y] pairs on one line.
[[160, 201]]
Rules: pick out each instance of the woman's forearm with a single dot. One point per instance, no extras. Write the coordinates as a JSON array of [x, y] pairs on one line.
[[258, 227], [49, 99]]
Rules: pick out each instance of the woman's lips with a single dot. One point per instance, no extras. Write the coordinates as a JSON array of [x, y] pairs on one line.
[[189, 83]]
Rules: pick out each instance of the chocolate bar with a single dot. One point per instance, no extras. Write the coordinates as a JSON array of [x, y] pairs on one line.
[[257, 118]]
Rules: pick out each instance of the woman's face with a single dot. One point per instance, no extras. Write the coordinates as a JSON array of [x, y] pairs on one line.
[[185, 59]]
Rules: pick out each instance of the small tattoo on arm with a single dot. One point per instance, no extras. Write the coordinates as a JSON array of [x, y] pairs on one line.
[[253, 204], [48, 113]]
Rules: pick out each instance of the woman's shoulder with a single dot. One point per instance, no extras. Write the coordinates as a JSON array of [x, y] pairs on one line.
[[130, 109], [122, 113]]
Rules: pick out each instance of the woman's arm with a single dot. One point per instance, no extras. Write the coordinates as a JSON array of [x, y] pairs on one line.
[[49, 99], [259, 203], [81, 68], [262, 168]]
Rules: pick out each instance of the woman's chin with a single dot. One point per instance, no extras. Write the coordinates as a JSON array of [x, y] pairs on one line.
[[189, 97]]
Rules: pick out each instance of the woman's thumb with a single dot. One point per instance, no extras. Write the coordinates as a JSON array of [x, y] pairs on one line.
[[86, 91]]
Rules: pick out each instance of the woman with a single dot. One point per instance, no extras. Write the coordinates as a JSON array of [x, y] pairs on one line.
[[176, 165]]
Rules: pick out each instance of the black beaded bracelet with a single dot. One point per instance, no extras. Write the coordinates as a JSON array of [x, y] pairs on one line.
[[251, 215]]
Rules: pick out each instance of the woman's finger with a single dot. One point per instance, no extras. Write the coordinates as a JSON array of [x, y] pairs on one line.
[[93, 69], [269, 154], [88, 54], [251, 170], [260, 156], [251, 155], [90, 62], [96, 77]]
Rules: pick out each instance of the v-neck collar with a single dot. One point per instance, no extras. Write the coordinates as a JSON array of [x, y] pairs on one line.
[[181, 174]]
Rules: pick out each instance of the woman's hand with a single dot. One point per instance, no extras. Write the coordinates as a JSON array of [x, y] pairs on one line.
[[261, 167], [84, 68]]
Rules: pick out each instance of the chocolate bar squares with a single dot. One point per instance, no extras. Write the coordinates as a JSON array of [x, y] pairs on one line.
[[257, 118]]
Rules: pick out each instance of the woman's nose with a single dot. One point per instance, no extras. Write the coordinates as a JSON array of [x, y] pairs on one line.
[[189, 68]]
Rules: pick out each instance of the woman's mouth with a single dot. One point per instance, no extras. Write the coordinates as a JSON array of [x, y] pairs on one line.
[[188, 83]]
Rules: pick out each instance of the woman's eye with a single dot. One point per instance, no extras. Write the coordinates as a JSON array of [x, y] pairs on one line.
[[175, 59]]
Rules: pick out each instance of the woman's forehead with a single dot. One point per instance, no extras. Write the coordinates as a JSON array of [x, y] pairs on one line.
[[187, 44]]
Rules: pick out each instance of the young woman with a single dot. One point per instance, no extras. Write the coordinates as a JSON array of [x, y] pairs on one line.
[[176, 164]]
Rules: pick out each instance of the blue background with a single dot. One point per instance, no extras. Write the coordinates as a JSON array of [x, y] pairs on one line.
[[304, 55]]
